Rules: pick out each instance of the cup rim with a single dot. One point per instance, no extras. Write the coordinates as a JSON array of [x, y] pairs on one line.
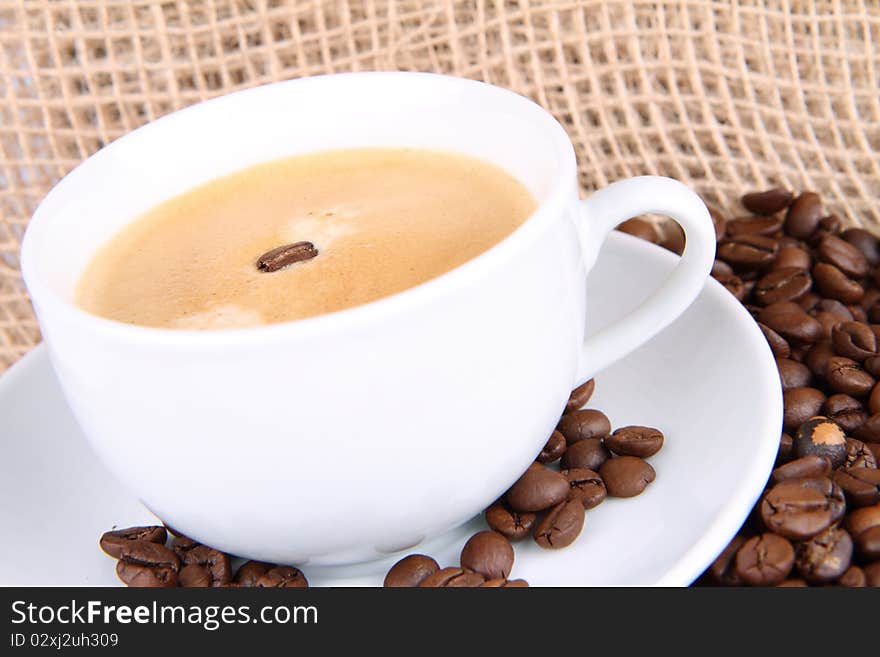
[[554, 203]]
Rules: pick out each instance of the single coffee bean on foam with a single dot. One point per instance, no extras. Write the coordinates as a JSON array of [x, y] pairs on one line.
[[302, 236]]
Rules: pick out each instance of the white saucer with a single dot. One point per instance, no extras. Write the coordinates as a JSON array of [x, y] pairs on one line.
[[708, 381]]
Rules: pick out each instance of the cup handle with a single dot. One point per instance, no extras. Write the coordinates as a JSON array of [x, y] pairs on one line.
[[604, 210]]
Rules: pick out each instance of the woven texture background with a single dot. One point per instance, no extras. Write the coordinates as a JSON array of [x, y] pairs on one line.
[[726, 96]]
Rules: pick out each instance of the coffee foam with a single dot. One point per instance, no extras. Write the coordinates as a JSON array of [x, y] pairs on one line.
[[226, 316], [383, 220], [321, 228]]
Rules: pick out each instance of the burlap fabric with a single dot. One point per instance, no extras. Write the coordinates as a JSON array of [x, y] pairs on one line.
[[726, 96]]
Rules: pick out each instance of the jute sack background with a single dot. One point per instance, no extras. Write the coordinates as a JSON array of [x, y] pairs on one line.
[[726, 96]]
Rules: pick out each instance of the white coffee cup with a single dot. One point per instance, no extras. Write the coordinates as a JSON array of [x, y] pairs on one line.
[[352, 435]]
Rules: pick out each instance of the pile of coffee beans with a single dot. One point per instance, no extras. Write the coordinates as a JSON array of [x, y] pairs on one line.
[[546, 503], [486, 561], [147, 559], [583, 462], [814, 289]]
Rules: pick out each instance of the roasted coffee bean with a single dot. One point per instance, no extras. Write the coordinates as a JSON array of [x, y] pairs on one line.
[[872, 296], [799, 509], [854, 577], [872, 574], [282, 256], [626, 476], [799, 405], [854, 340], [842, 255], [778, 345], [733, 284], [217, 563], [869, 432], [872, 365], [452, 578], [835, 284], [580, 425], [792, 257], [799, 353], [786, 448], [820, 436], [784, 241], [183, 544], [829, 323], [785, 284], [791, 321], [195, 576], [764, 560], [723, 569], [586, 486], [537, 489], [640, 228], [872, 309], [112, 541], [805, 466], [561, 525], [865, 242], [825, 557], [148, 554], [146, 564], [719, 223], [553, 450], [754, 226], [793, 374], [587, 454], [818, 356], [580, 396], [803, 215], [250, 572], [505, 584], [635, 441], [767, 202], [673, 238], [858, 313], [488, 553], [846, 411], [748, 251], [144, 576], [512, 524], [809, 302], [861, 486], [836, 308], [721, 269], [410, 571], [875, 448], [864, 526], [859, 455], [847, 376], [874, 400], [829, 225], [283, 577]]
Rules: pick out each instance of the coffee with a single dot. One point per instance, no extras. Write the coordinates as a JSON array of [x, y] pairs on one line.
[[302, 236]]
